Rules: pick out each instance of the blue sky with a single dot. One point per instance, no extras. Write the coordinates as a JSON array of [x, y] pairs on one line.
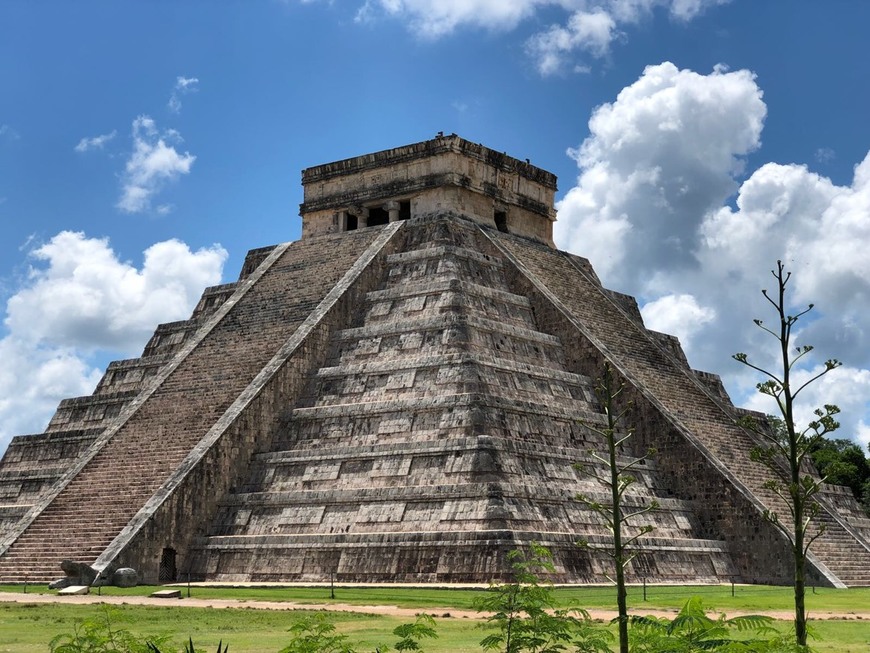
[[145, 147]]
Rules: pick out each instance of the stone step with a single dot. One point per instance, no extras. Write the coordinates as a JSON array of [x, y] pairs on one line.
[[441, 252], [365, 540], [447, 284], [500, 491], [574, 411], [356, 450], [442, 322], [482, 359]]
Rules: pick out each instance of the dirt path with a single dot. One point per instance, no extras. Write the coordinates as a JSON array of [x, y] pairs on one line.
[[389, 610]]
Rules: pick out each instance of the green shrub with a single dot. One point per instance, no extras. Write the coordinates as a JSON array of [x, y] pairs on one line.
[[410, 634], [316, 634], [525, 617], [99, 636], [693, 630]]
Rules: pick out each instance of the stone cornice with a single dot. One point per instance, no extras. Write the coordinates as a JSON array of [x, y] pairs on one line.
[[439, 145]]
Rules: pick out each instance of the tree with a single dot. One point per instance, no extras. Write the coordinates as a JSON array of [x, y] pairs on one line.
[[525, 615], [842, 462], [617, 479], [784, 450]]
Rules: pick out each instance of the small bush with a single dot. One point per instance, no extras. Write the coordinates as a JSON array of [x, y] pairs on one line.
[[410, 634], [525, 615], [316, 634], [99, 636], [692, 630]]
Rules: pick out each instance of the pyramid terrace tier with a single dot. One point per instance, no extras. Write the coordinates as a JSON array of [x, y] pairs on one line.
[[443, 294], [478, 556], [455, 373], [445, 462], [130, 375], [436, 418], [90, 412], [439, 508], [213, 298], [445, 333], [462, 377]]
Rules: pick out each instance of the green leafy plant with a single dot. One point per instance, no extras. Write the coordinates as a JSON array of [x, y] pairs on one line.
[[98, 635], [785, 447], [410, 634], [693, 630], [525, 616], [617, 477], [316, 634]]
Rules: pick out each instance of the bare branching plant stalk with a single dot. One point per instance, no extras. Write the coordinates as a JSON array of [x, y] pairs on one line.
[[785, 447], [617, 477]]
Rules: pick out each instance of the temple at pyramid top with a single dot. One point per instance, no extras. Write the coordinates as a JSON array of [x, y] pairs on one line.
[[447, 173]]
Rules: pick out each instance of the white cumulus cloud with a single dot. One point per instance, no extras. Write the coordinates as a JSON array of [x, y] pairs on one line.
[[33, 379], [6, 131], [848, 387], [592, 32], [659, 157], [80, 295], [677, 315], [153, 163], [95, 142], [81, 299], [593, 26], [586, 26], [651, 210], [183, 86], [436, 18], [820, 230]]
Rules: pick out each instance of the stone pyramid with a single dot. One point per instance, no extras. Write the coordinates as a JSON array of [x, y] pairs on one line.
[[400, 395]]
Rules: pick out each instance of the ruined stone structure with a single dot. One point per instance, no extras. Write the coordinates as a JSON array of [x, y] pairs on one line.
[[400, 395]]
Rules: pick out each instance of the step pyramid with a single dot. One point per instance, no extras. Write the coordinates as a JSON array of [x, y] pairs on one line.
[[401, 395]]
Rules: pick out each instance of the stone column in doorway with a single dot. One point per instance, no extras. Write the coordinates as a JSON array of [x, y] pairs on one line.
[[392, 207], [362, 216]]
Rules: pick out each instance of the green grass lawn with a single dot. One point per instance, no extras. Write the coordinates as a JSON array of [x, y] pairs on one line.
[[29, 628], [26, 628], [718, 597]]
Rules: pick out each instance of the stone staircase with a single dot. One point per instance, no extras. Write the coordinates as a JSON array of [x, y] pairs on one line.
[[32, 464], [440, 434], [215, 359], [690, 420]]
